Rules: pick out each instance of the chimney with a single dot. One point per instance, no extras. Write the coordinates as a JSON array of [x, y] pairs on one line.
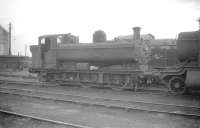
[[136, 33]]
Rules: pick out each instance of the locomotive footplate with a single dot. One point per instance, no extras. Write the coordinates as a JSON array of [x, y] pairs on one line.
[[123, 79]]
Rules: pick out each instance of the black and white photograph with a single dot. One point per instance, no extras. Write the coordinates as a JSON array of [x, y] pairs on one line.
[[99, 63]]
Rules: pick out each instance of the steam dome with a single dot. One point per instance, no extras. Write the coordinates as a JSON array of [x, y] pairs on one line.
[[99, 36]]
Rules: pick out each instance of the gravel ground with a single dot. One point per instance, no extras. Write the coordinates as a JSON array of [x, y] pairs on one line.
[[121, 95], [11, 121], [93, 116], [96, 117]]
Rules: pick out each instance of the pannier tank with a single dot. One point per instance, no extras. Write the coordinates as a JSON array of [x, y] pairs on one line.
[[54, 49]]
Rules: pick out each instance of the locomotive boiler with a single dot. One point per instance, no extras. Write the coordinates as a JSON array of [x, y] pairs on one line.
[[62, 58]]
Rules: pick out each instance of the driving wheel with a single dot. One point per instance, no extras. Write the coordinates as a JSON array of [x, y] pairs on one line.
[[176, 85]]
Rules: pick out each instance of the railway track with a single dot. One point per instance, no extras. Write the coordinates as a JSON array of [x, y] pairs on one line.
[[138, 91], [172, 109], [41, 119]]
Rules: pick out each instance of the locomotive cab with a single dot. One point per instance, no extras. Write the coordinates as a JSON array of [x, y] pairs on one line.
[[48, 45]]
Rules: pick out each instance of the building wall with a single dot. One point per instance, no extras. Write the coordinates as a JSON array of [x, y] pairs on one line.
[[3, 41]]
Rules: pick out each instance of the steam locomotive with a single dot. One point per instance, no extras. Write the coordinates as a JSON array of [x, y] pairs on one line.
[[104, 63], [62, 58], [186, 74]]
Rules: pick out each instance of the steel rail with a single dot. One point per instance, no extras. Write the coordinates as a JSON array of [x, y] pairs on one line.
[[43, 119], [117, 106], [99, 98], [138, 91]]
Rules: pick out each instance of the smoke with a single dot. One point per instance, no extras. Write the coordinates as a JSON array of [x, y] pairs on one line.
[[191, 1], [195, 3]]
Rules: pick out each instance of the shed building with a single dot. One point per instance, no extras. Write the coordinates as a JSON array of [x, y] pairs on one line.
[[4, 41]]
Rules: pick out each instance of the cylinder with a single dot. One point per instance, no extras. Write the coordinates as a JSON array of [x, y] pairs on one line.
[[136, 33]]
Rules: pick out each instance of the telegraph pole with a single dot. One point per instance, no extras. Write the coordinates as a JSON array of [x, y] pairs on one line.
[[25, 50], [199, 23], [9, 40]]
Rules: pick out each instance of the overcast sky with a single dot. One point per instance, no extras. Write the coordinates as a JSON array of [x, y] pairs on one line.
[[32, 18]]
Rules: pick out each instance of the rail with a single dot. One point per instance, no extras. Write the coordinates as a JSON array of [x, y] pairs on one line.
[[43, 119]]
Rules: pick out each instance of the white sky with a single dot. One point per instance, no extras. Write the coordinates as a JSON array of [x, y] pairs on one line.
[[32, 18]]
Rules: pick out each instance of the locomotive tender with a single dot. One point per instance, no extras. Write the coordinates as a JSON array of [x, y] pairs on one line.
[[61, 58]]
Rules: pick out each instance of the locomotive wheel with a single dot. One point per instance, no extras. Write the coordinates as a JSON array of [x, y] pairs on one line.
[[123, 83], [126, 83], [42, 77], [177, 86]]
